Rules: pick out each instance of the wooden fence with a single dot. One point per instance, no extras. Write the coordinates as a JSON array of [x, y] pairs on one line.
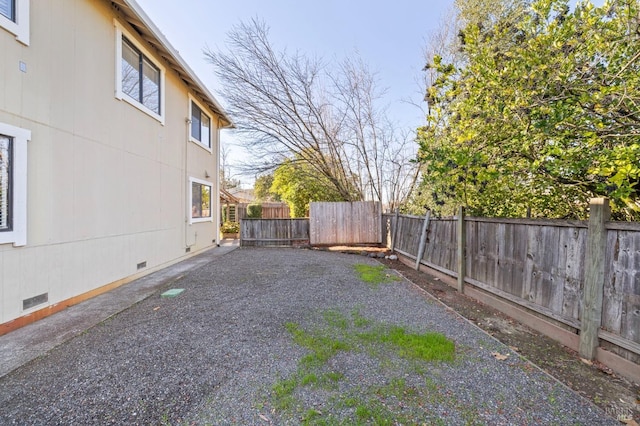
[[345, 223], [269, 210], [274, 232], [547, 268]]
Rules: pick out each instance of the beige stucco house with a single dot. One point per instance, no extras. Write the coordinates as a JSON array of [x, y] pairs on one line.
[[109, 148]]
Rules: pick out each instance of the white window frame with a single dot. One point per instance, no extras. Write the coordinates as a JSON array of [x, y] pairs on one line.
[[193, 180], [18, 233], [19, 27], [120, 32], [204, 110]]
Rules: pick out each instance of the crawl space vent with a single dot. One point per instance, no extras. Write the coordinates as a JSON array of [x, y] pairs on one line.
[[35, 301]]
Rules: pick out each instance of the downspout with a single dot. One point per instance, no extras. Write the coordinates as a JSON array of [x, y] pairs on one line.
[[185, 183], [217, 182]]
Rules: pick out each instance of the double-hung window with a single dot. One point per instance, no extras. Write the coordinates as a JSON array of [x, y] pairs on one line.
[[200, 126], [139, 79], [6, 169], [13, 184], [201, 207], [14, 17]]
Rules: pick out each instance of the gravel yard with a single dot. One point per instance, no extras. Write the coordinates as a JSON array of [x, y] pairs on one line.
[[225, 351]]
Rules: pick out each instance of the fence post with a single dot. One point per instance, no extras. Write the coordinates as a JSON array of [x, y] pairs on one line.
[[394, 232], [599, 213], [423, 239], [462, 263]]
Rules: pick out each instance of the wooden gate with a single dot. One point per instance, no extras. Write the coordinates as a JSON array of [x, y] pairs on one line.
[[345, 223]]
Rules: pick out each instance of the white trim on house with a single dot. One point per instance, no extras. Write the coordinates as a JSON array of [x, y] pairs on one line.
[[18, 233], [119, 94], [206, 111], [19, 28], [212, 205]]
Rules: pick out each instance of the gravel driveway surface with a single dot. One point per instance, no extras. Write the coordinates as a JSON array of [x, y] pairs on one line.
[[220, 352]]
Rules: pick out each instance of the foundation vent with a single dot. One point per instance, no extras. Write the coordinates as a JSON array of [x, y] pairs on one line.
[[141, 265], [35, 301], [187, 250]]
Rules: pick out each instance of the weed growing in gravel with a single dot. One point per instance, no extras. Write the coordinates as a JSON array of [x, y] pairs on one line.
[[391, 403], [375, 275]]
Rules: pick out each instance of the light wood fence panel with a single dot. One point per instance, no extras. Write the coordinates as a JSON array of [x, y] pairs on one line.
[[269, 211], [345, 223]]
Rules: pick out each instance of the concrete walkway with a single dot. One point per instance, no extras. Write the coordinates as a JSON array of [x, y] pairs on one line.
[[32, 341]]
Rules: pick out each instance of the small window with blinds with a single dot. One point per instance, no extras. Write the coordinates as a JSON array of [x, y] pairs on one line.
[[8, 9], [5, 183]]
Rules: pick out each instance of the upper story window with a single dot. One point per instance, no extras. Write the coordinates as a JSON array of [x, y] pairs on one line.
[[200, 126], [14, 17], [139, 79], [13, 184]]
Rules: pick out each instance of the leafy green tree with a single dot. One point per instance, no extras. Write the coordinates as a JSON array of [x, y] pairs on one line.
[[543, 114], [297, 183], [262, 188], [254, 211]]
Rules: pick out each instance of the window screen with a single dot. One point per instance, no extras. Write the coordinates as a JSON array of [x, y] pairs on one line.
[[5, 183], [8, 9], [140, 77], [200, 125], [200, 200]]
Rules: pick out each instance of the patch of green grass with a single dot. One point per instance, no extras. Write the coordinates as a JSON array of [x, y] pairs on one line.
[[424, 346], [393, 403], [358, 320], [310, 415], [322, 346], [375, 275], [336, 319], [308, 379]]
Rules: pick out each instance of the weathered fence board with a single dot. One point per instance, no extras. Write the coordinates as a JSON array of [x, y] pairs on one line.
[[269, 211], [621, 301], [345, 223], [274, 232], [540, 264], [442, 244]]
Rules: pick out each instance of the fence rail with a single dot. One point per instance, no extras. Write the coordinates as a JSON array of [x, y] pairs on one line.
[[539, 265]]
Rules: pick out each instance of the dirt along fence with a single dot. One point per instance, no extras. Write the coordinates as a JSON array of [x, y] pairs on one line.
[[576, 281]]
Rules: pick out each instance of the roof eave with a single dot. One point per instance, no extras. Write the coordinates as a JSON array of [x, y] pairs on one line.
[[138, 19]]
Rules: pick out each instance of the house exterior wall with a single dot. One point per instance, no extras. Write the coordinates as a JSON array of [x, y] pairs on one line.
[[107, 184]]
